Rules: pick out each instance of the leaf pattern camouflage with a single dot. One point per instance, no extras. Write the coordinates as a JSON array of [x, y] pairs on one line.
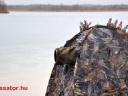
[[99, 63]]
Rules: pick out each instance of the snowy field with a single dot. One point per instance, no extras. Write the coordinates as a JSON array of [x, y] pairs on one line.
[[27, 43]]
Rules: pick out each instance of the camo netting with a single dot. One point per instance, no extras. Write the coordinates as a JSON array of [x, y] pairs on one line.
[[100, 68]]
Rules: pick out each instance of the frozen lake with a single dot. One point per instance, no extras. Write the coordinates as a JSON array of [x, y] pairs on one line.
[[27, 43]]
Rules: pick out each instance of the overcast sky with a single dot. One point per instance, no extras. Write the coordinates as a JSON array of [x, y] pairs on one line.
[[66, 1]]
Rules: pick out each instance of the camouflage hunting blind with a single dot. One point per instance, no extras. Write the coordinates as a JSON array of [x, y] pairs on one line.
[[92, 63]]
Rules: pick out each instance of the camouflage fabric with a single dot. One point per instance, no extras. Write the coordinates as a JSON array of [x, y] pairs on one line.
[[65, 55], [100, 67]]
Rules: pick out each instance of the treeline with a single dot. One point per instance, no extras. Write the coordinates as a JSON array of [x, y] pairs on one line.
[[68, 8], [3, 9]]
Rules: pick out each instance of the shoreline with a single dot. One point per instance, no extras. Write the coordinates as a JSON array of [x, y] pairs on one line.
[[67, 8], [70, 11]]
